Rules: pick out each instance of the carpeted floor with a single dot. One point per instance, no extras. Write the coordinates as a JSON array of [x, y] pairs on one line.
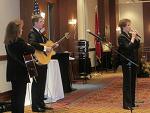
[[109, 98], [101, 94]]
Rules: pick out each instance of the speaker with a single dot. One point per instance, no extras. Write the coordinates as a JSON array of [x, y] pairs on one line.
[[85, 66], [84, 60], [83, 46]]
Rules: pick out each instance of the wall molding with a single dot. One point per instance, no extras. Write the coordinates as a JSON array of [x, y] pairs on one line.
[[3, 57], [5, 96]]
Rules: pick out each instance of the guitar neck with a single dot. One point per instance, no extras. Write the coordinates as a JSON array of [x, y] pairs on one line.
[[59, 41]]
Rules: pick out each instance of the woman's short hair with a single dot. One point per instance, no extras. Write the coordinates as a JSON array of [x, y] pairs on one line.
[[123, 23]]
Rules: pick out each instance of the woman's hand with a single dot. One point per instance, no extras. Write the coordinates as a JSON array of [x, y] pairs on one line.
[[133, 37]]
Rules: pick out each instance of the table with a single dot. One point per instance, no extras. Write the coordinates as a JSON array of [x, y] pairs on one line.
[[54, 89]]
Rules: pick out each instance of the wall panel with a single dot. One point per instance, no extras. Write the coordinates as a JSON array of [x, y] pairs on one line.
[[146, 22]]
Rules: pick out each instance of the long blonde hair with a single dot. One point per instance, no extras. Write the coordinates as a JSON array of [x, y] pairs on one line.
[[13, 31]]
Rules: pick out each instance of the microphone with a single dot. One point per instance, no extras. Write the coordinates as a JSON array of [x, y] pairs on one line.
[[134, 30], [138, 35], [98, 37]]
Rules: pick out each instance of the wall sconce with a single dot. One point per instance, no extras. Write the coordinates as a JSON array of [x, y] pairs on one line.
[[42, 14], [118, 29], [72, 21]]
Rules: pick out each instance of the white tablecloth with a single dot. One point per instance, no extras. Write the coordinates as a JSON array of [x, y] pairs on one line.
[[54, 89]]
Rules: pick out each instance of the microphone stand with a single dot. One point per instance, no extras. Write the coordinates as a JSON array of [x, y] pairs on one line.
[[130, 62]]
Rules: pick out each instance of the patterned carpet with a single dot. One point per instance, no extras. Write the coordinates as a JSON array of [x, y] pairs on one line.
[[109, 99], [101, 94]]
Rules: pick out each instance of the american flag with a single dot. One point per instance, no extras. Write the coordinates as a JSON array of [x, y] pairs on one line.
[[36, 9]]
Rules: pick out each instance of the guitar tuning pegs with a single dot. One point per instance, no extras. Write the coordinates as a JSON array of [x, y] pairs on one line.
[[67, 35]]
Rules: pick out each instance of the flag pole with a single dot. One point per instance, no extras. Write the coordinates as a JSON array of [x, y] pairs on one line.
[[97, 43], [95, 49]]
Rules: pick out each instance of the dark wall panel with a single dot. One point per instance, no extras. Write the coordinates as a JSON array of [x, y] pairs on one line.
[[108, 16], [26, 10], [112, 12], [64, 10], [101, 11], [146, 20]]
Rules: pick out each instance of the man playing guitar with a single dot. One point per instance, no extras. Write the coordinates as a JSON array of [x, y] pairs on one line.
[[35, 38]]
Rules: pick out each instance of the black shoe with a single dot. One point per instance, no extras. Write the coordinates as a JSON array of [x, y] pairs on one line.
[[128, 108], [38, 109], [42, 104], [48, 108], [135, 106], [73, 89], [45, 98]]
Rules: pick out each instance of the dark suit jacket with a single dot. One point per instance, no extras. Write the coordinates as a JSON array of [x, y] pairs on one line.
[[16, 69], [35, 38], [128, 49]]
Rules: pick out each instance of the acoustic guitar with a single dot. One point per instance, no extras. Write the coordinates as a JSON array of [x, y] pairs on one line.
[[30, 64], [43, 57]]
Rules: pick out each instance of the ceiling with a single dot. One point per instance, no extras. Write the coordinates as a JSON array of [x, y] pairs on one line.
[[132, 1]]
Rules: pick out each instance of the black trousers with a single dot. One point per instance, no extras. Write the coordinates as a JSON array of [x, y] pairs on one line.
[[129, 85], [38, 87], [18, 96]]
